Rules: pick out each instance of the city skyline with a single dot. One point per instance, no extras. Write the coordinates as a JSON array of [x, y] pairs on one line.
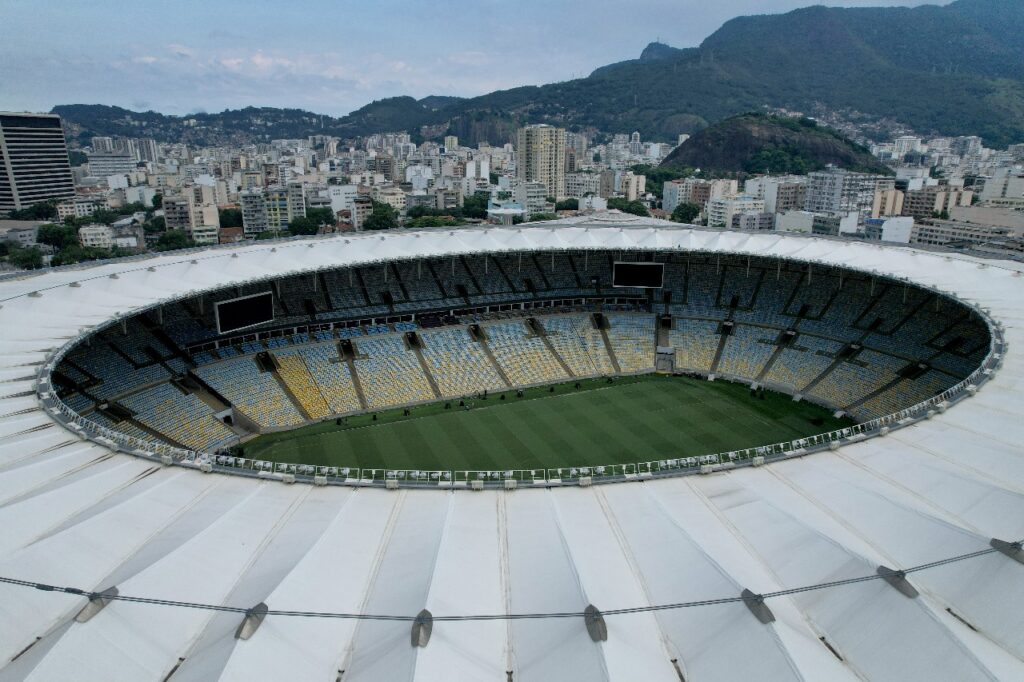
[[172, 67]]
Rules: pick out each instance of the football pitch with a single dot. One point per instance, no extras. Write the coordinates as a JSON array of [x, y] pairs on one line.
[[632, 419]]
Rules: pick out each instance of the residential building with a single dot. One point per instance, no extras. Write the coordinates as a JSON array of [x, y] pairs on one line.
[[836, 224], [80, 207], [254, 211], [533, 197], [888, 202], [451, 143], [954, 233], [540, 154], [99, 236], [781, 193], [581, 184], [105, 164], [362, 208], [34, 164], [695, 191], [935, 200], [721, 210], [836, 190], [753, 221], [897, 230], [795, 221], [178, 212], [632, 186], [1007, 183]]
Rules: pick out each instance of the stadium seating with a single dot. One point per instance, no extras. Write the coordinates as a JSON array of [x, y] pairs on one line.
[[182, 418], [257, 394], [632, 340], [116, 375], [853, 380], [579, 344], [389, 373], [800, 364], [746, 351], [523, 357], [695, 343], [296, 376], [895, 324], [459, 365]]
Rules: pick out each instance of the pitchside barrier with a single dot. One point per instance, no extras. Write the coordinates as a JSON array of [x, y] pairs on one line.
[[582, 475]]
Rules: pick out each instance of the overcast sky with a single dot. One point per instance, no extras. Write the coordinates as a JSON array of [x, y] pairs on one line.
[[329, 56]]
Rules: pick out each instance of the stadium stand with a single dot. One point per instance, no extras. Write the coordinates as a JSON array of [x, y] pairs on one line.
[[746, 351], [389, 373], [255, 393], [694, 342], [374, 305], [183, 418], [459, 366], [523, 357], [632, 340], [579, 344]]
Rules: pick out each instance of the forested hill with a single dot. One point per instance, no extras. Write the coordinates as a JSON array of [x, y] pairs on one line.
[[953, 70], [756, 143]]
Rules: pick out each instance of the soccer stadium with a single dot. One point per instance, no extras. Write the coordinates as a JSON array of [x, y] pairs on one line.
[[600, 448]]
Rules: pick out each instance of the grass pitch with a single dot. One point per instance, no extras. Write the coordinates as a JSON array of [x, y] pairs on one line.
[[633, 419]]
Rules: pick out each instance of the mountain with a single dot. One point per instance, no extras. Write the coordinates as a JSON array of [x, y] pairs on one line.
[[952, 70], [757, 143]]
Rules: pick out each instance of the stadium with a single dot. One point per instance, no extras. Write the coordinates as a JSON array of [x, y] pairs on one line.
[[605, 447]]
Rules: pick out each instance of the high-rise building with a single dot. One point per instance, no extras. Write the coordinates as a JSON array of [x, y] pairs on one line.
[[540, 151], [254, 211], [721, 210], [451, 143], [34, 165], [840, 191], [105, 164]]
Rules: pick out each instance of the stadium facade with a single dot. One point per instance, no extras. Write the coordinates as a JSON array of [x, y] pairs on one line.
[[79, 510]]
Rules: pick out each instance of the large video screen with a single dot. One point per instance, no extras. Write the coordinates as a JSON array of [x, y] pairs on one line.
[[244, 312], [638, 275]]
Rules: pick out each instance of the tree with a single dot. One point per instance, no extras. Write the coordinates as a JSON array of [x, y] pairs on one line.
[[541, 217], [475, 206], [46, 210], [158, 201], [154, 225], [634, 207], [320, 216], [685, 213], [174, 239], [26, 258], [57, 236], [382, 218], [230, 217], [568, 205], [302, 225], [73, 253]]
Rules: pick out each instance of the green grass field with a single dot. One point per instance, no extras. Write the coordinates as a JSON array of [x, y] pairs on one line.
[[634, 419]]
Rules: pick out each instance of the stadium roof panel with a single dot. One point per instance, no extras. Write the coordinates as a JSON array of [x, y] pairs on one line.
[[76, 514]]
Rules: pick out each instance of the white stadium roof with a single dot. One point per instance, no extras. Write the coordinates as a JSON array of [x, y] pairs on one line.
[[73, 513]]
